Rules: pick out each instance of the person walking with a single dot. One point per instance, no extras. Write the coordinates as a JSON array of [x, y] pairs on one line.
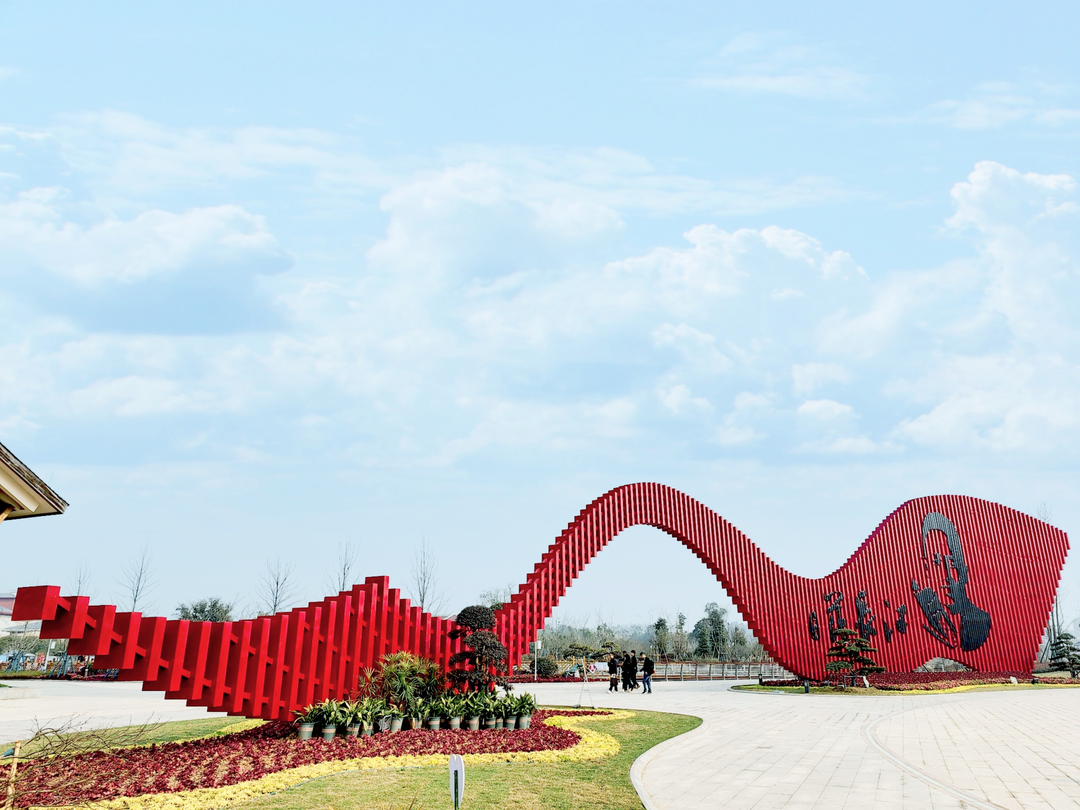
[[626, 671], [647, 670], [613, 674], [633, 669]]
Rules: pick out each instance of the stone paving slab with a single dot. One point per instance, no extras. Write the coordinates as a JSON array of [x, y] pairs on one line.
[[754, 751]]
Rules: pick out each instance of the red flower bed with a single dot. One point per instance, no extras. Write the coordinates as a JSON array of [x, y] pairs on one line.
[[915, 679], [248, 755], [927, 681]]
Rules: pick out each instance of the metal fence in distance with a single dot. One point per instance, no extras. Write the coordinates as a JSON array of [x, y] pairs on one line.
[[718, 671]]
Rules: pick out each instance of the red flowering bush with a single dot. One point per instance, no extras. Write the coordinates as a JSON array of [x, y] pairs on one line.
[[928, 681], [247, 755]]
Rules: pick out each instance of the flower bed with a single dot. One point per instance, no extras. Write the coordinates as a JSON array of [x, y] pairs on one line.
[[931, 681], [272, 748]]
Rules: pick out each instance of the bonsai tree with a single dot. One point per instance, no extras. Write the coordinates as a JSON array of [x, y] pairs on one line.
[[849, 654], [478, 668], [1064, 654]]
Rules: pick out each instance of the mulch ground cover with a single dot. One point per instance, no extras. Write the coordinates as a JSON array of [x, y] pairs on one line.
[[252, 754]]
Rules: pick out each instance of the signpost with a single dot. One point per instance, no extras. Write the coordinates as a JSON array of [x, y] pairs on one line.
[[457, 780]]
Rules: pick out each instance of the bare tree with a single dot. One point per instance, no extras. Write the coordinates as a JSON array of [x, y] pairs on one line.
[[277, 588], [82, 580], [137, 580], [495, 598], [339, 577], [1044, 512], [426, 591]]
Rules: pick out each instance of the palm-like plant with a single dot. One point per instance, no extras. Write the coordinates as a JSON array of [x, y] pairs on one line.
[[351, 711], [525, 705], [310, 714]]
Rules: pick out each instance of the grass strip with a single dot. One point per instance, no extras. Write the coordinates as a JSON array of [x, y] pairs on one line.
[[602, 783]]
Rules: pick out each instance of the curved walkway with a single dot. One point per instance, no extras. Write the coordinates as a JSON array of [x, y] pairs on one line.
[[982, 750]]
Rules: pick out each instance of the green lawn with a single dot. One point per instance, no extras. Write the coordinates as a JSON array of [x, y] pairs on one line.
[[560, 786]]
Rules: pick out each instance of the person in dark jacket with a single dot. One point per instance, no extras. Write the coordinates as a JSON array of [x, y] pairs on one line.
[[613, 674], [633, 669], [626, 671], [647, 670]]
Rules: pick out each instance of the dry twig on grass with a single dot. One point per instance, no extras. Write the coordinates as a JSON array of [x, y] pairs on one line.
[[68, 739]]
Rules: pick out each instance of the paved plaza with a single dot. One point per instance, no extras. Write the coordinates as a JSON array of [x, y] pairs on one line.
[[982, 750], [973, 750]]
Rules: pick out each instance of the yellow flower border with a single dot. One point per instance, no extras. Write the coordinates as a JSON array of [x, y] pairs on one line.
[[592, 745]]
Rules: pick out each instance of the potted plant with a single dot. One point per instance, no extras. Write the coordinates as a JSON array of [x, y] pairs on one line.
[[370, 710], [417, 711], [383, 716], [332, 717], [526, 705], [455, 706], [395, 719], [502, 713], [473, 708], [490, 709], [351, 711], [305, 722], [442, 707]]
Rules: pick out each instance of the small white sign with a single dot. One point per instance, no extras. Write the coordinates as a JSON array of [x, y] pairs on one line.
[[1013, 679], [457, 780]]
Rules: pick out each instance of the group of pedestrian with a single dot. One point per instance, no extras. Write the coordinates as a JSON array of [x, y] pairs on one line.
[[628, 668]]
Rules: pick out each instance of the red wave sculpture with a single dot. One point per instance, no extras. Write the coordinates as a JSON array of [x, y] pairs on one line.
[[944, 576]]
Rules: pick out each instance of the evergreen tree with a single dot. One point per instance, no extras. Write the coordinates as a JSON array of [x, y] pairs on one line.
[[206, 610], [849, 652], [661, 637], [711, 632], [480, 667], [1064, 654]]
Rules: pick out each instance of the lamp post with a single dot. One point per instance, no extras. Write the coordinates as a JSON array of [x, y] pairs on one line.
[[536, 657]]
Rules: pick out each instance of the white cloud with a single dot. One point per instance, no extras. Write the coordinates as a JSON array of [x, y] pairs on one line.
[[124, 153], [992, 105], [501, 309], [697, 347], [808, 376], [140, 396], [680, 400], [753, 63], [740, 425], [34, 226], [825, 410]]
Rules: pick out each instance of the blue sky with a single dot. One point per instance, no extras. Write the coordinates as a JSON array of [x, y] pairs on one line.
[[276, 276]]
